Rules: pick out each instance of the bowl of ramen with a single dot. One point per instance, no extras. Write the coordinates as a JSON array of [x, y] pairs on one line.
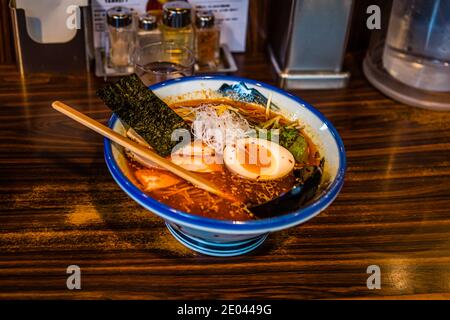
[[280, 158]]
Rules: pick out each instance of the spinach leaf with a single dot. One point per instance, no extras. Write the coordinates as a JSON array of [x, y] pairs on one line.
[[288, 136], [299, 149], [292, 140]]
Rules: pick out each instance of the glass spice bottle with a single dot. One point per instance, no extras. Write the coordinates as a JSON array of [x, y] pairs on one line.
[[121, 37], [207, 40], [148, 31], [177, 26]]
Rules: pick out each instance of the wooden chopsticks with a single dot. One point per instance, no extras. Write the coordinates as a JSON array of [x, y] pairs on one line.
[[139, 150]]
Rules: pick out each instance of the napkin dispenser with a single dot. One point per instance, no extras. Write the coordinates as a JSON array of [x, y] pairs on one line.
[[307, 41], [45, 41]]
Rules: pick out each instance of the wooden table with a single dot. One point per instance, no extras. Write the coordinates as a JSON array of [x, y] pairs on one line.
[[59, 206]]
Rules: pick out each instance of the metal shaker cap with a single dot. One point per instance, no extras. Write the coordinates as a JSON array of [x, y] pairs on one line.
[[204, 19], [147, 22], [119, 17], [177, 14]]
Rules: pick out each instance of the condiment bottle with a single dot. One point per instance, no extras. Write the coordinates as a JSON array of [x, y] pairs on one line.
[[207, 40], [177, 27], [121, 37], [148, 31]]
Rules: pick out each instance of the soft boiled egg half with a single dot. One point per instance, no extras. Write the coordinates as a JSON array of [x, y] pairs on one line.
[[194, 156], [258, 159], [197, 157]]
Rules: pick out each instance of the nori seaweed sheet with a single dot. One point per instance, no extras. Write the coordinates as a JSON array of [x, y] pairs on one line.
[[142, 110]]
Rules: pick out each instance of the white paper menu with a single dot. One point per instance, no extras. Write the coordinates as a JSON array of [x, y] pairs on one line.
[[231, 16]]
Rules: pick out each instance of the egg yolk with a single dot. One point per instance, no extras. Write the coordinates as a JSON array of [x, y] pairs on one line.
[[254, 158]]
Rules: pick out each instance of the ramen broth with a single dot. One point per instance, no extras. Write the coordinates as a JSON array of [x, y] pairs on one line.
[[188, 198]]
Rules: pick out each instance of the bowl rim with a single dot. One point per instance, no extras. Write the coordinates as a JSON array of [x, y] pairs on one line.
[[227, 226]]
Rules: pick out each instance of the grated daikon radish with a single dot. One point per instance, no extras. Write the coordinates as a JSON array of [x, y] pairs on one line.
[[218, 126]]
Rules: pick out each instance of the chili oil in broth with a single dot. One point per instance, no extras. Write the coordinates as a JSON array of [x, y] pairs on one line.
[[188, 198]]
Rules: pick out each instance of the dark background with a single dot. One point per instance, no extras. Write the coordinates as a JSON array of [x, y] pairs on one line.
[[257, 24]]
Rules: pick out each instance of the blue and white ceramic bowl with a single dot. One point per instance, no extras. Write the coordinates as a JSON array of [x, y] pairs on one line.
[[230, 238]]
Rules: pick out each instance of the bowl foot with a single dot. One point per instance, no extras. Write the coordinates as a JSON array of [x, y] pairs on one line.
[[217, 249]]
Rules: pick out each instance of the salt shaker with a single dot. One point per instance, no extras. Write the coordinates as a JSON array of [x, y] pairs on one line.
[[148, 31], [121, 37]]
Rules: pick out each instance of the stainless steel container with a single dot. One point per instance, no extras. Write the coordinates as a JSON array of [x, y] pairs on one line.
[[307, 41]]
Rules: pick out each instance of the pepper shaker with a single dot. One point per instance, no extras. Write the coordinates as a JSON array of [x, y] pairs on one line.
[[207, 40], [148, 32]]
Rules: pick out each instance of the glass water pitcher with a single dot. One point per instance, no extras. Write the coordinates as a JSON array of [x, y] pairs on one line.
[[417, 48]]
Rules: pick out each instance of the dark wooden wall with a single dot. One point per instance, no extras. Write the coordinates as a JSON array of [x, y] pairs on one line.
[[257, 25], [358, 38], [7, 55]]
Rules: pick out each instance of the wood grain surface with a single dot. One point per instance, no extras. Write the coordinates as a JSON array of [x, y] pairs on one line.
[[59, 206]]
